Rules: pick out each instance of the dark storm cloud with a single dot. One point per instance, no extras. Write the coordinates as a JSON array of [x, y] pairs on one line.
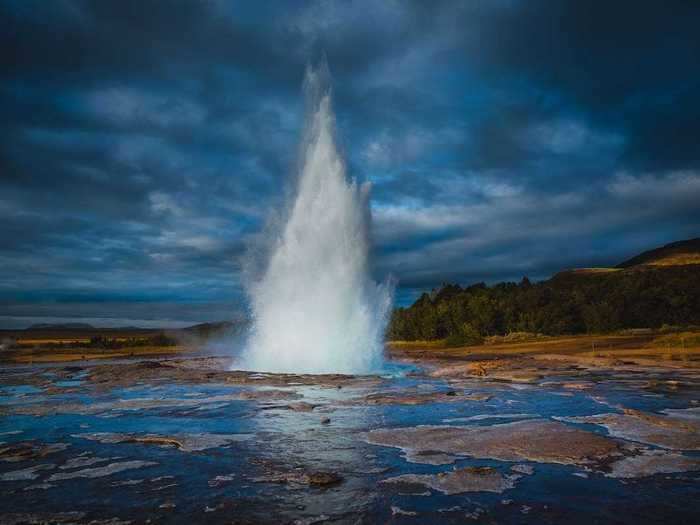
[[143, 143], [627, 65]]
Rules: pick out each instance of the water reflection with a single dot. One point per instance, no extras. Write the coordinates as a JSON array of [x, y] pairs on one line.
[[326, 438]]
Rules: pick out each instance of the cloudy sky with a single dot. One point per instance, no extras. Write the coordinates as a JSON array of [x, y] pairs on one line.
[[144, 143]]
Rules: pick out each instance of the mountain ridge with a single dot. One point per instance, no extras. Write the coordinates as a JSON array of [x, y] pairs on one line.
[[672, 254]]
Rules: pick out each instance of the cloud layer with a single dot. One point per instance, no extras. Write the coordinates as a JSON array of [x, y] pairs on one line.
[[143, 143]]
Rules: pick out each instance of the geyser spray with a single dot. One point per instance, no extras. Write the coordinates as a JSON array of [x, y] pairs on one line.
[[316, 309]]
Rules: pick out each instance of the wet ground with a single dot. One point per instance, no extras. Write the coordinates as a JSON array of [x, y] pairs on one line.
[[185, 441]]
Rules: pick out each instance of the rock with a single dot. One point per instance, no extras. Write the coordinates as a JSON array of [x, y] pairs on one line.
[[221, 480], [372, 470], [118, 405], [323, 478], [683, 413], [512, 370], [523, 469], [478, 397], [410, 398], [469, 479], [578, 385], [652, 462], [202, 370], [429, 457], [516, 376], [301, 477], [533, 440], [183, 442], [127, 483], [42, 518], [481, 417], [321, 518], [83, 461], [398, 511], [301, 406], [109, 521], [26, 450], [163, 482], [26, 474], [477, 368], [40, 486], [475, 514], [99, 472], [455, 508], [677, 433]]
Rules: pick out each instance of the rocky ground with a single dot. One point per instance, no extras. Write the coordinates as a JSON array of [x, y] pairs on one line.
[[437, 438]]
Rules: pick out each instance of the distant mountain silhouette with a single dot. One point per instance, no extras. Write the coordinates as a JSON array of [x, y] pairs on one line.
[[200, 330], [215, 329], [61, 326]]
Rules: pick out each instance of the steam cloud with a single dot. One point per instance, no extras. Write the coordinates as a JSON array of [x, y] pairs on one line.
[[316, 309]]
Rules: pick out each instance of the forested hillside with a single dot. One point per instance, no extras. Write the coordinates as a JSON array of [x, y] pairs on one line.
[[579, 301]]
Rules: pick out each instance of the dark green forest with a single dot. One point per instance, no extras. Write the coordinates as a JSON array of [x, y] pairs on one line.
[[569, 303]]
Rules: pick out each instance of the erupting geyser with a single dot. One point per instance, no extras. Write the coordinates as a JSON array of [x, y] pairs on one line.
[[316, 308]]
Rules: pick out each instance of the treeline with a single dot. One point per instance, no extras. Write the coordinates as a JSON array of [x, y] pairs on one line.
[[115, 343], [569, 303]]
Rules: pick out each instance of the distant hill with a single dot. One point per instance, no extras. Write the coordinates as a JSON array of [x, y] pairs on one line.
[[206, 330], [673, 254], [61, 326], [202, 330], [657, 287]]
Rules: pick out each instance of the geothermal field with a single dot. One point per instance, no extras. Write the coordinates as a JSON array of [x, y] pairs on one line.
[[308, 416], [518, 436]]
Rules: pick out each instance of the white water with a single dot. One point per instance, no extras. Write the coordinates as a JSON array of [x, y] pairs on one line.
[[316, 309]]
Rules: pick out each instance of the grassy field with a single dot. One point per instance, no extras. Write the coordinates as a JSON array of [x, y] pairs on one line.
[[37, 346], [44, 346], [29, 356], [648, 344], [676, 260]]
